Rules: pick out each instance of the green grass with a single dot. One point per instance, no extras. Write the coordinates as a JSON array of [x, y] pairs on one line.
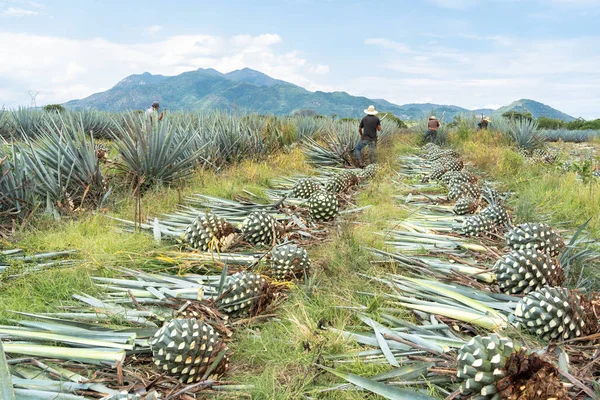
[[279, 356]]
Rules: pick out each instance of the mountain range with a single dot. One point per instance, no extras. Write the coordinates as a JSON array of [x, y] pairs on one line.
[[250, 90]]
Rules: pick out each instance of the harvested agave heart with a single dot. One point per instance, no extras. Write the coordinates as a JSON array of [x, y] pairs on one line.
[[187, 348], [481, 363], [478, 224], [535, 236], [289, 261], [465, 205], [208, 232], [242, 293], [323, 206], [555, 313], [304, 188], [523, 271], [260, 228]]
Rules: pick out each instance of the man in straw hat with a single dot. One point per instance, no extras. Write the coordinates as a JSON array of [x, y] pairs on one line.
[[370, 124], [483, 124], [432, 127]]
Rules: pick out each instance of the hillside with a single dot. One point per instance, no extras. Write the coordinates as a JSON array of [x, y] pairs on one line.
[[253, 91], [536, 109], [246, 89]]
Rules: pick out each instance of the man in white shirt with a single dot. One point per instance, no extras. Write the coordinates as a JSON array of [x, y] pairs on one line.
[[154, 109]]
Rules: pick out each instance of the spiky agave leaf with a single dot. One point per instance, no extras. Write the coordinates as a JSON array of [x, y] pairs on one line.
[[491, 195], [64, 162], [156, 153], [96, 123], [187, 348], [523, 271], [16, 191], [321, 154], [27, 123], [308, 127], [555, 313], [523, 132]]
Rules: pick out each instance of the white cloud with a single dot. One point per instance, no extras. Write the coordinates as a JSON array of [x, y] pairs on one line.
[[388, 44], [153, 29], [63, 69], [455, 4], [17, 12], [550, 71], [320, 69]]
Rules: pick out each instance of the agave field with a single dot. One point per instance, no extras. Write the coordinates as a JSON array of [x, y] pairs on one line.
[[414, 278]]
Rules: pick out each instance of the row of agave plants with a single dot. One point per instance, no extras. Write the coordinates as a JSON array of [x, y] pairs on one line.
[[52, 161], [498, 311]]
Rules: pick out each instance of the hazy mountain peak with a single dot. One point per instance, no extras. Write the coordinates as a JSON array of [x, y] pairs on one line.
[[141, 79], [254, 77], [536, 109]]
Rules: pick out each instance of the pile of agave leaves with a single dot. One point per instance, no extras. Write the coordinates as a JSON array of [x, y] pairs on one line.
[[445, 296], [99, 347]]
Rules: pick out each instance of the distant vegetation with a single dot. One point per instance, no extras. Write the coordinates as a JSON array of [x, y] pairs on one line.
[[517, 115], [54, 108], [575, 125]]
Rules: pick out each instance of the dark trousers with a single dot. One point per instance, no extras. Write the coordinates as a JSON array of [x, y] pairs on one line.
[[362, 143], [430, 136]]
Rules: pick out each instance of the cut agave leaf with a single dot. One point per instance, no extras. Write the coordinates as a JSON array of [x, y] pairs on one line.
[[386, 391], [6, 387], [91, 356]]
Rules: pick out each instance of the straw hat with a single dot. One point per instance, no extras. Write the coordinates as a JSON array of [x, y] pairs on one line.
[[371, 110], [488, 119], [432, 117]]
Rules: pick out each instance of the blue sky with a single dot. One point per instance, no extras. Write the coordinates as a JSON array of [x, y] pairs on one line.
[[471, 53]]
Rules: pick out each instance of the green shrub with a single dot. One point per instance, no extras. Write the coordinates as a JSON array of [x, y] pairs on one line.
[[581, 124], [550, 123], [57, 108], [518, 115], [393, 119]]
